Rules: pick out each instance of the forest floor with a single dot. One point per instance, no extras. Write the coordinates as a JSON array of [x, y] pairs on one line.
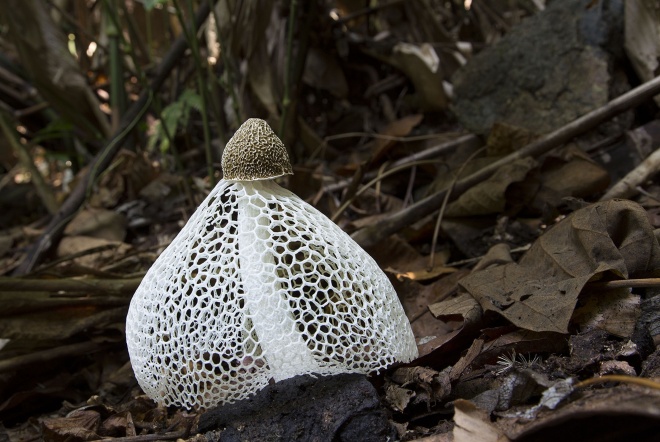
[[507, 188]]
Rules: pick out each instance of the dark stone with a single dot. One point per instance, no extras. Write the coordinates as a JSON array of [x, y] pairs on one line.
[[343, 407], [547, 71]]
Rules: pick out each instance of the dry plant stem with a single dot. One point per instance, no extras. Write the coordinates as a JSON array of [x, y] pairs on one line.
[[627, 187], [43, 190], [432, 152], [644, 382], [45, 356], [28, 303], [377, 179], [647, 194], [70, 285], [379, 183], [231, 74], [627, 283], [476, 259], [104, 158], [408, 198], [372, 235]]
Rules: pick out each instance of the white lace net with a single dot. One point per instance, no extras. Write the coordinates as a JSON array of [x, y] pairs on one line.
[[259, 285]]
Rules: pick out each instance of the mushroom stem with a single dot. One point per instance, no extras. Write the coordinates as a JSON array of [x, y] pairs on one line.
[[282, 343]]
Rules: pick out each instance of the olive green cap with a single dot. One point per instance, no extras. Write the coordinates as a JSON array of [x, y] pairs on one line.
[[255, 153]]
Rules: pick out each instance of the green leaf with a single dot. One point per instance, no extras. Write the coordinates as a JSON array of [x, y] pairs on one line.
[[174, 116]]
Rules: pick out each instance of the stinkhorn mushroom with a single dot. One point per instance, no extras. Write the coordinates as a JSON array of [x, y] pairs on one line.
[[259, 285]]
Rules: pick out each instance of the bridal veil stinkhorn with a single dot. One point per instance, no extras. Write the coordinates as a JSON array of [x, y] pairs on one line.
[[259, 285]]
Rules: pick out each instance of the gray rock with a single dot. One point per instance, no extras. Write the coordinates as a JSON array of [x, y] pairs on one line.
[[549, 70]]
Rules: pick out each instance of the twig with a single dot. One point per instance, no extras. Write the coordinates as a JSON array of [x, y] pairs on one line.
[[644, 382], [647, 194], [89, 286], [371, 235], [431, 152], [40, 357], [377, 179], [479, 258], [627, 186], [626, 283], [102, 160]]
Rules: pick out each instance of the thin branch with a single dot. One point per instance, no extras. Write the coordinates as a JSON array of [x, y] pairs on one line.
[[626, 283], [627, 186], [465, 141], [371, 235], [376, 180], [69, 285], [644, 382], [46, 356]]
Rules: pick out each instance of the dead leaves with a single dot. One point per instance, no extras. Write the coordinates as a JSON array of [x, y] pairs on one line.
[[619, 413], [609, 239]]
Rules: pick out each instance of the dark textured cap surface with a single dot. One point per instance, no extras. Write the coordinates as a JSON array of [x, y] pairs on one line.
[[255, 153]]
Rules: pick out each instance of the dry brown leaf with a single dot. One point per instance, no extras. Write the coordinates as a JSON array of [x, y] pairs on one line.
[[417, 269], [490, 196], [429, 386], [569, 173], [70, 245], [98, 223], [523, 342], [430, 332], [80, 425], [619, 413], [615, 311], [641, 38], [421, 64], [398, 128], [462, 306], [499, 254], [460, 367], [397, 397], [473, 424], [541, 291]]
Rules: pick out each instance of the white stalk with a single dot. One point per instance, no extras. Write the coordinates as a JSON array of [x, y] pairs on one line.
[[282, 343]]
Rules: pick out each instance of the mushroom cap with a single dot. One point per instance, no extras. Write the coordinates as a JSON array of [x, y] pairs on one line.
[[255, 153]]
